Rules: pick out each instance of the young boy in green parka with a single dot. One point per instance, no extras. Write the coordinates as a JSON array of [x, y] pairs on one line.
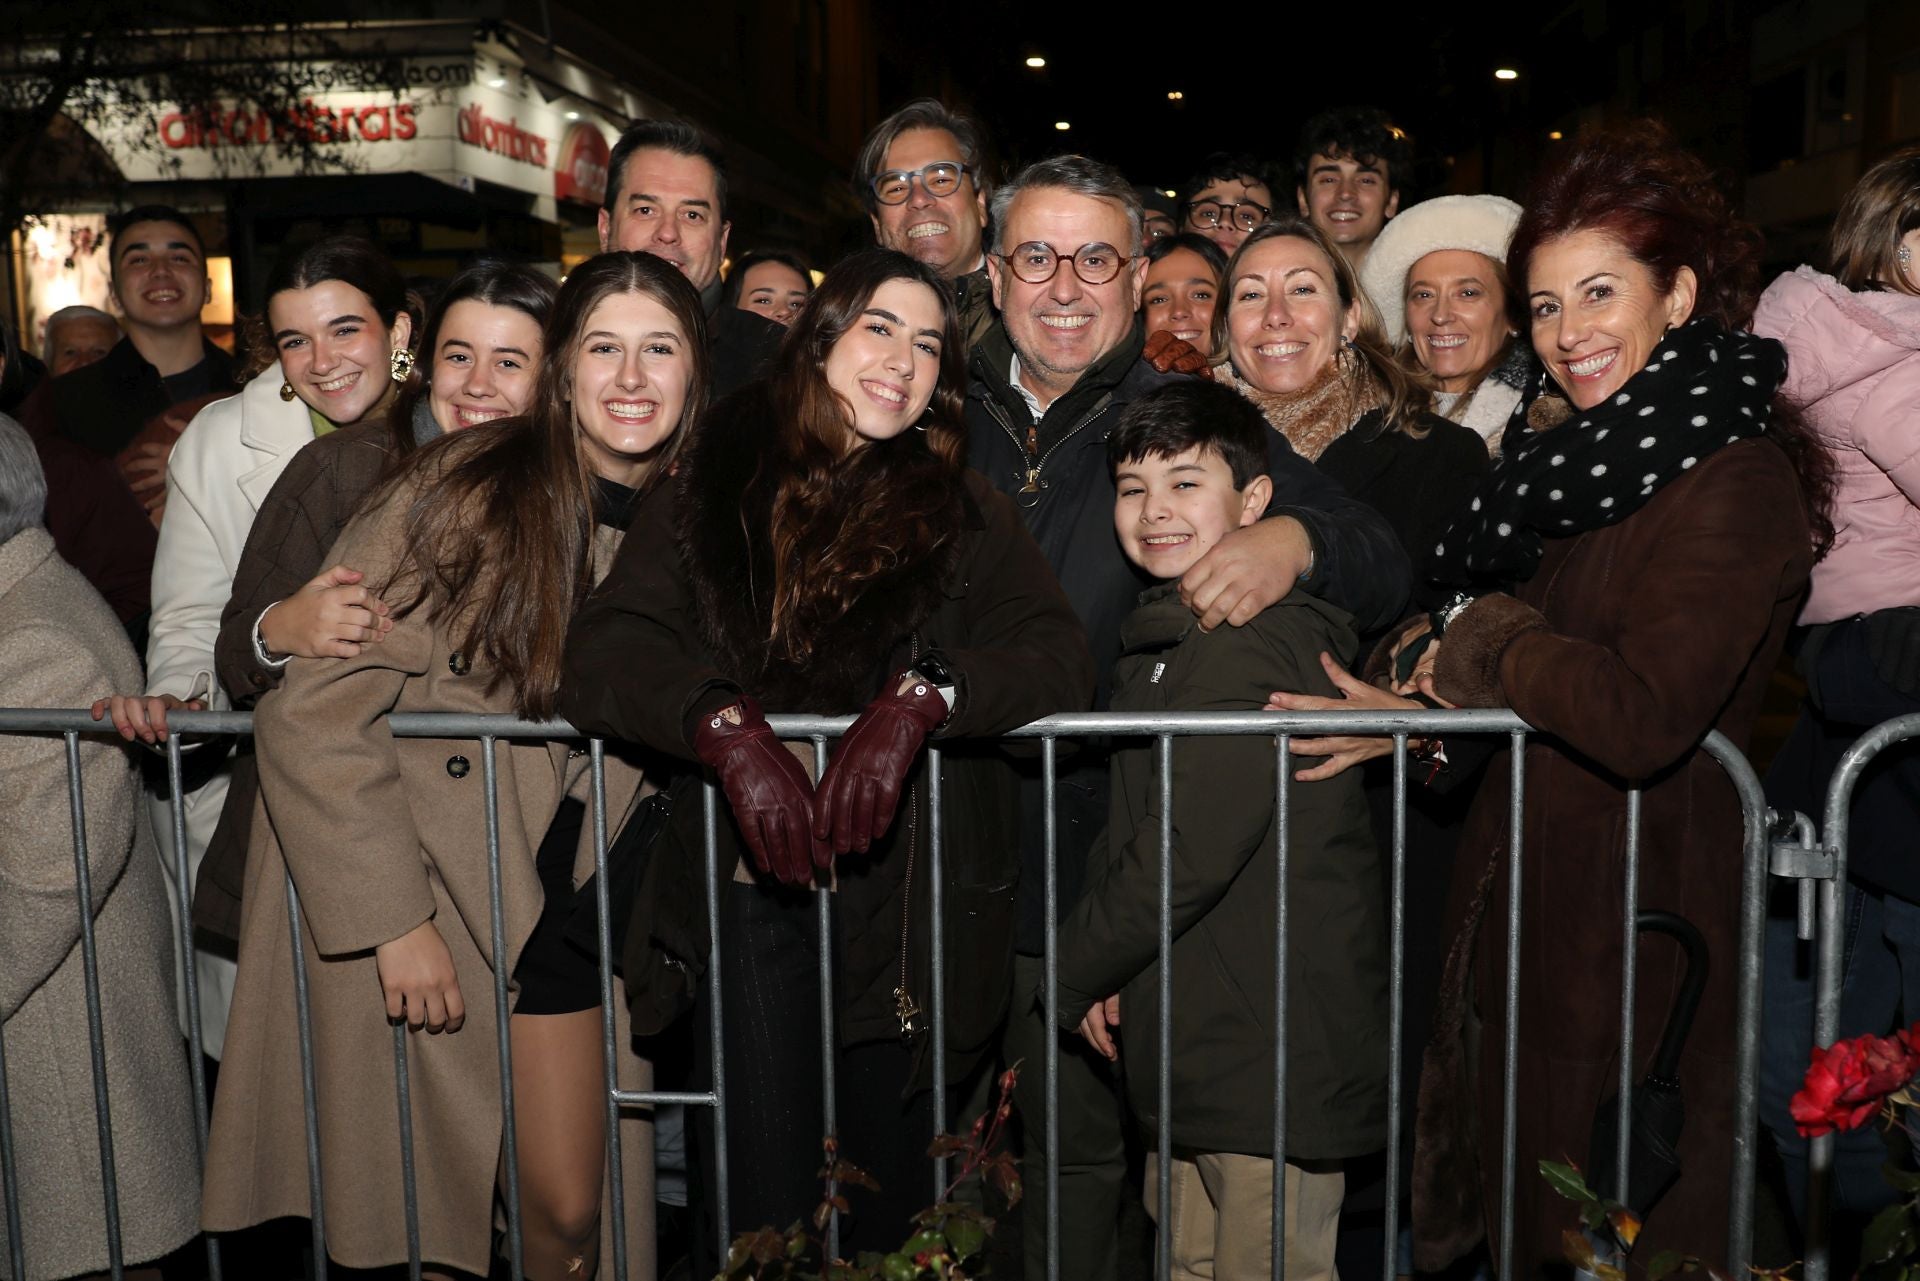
[[1189, 465]]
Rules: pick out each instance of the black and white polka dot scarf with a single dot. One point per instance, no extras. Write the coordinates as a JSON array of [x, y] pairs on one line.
[[1703, 389]]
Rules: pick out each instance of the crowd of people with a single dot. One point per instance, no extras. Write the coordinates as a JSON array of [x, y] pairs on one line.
[[1293, 440]]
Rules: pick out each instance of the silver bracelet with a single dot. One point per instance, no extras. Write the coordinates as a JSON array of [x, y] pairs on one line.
[[260, 645]]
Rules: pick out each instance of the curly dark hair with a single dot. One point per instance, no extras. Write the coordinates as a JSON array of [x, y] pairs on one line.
[[1365, 134]]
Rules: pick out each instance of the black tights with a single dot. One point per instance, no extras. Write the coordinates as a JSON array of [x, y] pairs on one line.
[[771, 987]]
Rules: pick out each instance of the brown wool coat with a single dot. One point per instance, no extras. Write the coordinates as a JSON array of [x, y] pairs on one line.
[[1625, 648], [381, 834]]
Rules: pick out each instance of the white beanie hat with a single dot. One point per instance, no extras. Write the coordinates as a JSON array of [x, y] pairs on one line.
[[1483, 224]]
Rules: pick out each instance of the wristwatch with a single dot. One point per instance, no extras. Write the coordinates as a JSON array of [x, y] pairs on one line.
[[1440, 618]]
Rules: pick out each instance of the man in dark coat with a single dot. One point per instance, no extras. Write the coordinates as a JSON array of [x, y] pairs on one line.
[[667, 196], [923, 176], [1048, 381], [128, 408]]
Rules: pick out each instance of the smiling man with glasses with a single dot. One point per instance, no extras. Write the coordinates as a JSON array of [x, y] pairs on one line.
[[1227, 199], [1046, 385], [922, 176]]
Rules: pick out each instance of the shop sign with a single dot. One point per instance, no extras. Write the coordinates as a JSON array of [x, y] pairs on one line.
[[581, 174], [501, 137]]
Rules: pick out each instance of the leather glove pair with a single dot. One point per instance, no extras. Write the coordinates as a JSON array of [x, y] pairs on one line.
[[1172, 355], [789, 827]]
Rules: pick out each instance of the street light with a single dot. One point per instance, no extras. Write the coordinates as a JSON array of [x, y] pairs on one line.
[[1505, 73], [1175, 96], [1036, 62], [1063, 125]]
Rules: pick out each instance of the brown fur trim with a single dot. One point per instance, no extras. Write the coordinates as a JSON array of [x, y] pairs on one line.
[[726, 546], [1467, 672]]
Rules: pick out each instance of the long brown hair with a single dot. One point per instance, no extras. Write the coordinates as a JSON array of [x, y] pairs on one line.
[[841, 517], [497, 540], [1881, 208], [1404, 395], [1661, 203]]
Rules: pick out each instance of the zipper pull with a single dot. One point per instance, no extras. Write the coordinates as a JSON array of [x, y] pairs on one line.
[[907, 1010], [1034, 484]]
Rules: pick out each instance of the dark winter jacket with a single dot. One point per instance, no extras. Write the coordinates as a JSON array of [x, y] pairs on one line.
[[1224, 882], [740, 344], [973, 306], [684, 614], [1358, 563], [1418, 483]]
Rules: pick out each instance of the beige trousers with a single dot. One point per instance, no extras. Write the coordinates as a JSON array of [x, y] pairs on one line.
[[1222, 1205]]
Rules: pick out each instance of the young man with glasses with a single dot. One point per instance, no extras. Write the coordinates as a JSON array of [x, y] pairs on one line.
[[921, 174], [1047, 382], [1227, 199]]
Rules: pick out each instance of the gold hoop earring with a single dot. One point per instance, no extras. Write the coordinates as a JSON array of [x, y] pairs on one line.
[[286, 391], [401, 364]]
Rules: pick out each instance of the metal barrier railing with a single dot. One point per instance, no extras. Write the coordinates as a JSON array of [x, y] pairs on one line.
[[1163, 729]]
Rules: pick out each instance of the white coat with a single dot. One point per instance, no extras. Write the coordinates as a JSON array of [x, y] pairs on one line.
[[221, 469]]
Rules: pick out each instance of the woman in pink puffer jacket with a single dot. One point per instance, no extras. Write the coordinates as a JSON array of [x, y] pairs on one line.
[[1853, 364]]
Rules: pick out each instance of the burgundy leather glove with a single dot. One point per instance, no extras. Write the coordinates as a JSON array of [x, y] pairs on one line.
[[1172, 355], [771, 796], [860, 791]]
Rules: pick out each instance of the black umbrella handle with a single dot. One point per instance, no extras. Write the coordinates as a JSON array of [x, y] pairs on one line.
[[1666, 1061]]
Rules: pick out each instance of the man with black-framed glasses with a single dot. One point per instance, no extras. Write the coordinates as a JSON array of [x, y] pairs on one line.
[[1047, 383], [922, 177]]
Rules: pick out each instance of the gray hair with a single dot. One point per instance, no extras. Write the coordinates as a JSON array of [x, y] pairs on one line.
[[23, 485], [921, 113], [65, 314], [1083, 176]]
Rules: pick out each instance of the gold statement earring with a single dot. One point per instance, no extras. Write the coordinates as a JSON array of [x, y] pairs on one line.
[[286, 391], [402, 364]]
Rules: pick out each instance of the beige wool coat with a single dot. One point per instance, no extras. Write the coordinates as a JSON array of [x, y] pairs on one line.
[[381, 834], [61, 646]]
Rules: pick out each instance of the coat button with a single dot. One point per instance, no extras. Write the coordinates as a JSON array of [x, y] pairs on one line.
[[459, 664], [457, 766]]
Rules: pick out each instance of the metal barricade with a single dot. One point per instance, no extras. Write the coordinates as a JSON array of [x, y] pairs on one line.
[[1163, 730]]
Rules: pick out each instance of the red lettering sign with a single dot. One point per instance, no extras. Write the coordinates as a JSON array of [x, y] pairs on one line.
[[582, 172], [501, 137], [219, 126]]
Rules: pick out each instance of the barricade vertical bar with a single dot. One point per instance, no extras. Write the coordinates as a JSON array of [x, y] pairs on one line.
[[610, 1051], [409, 1185], [1827, 949], [96, 1032], [1510, 1111], [1283, 835], [9, 1172], [829, 1037], [1746, 1054], [1629, 981], [497, 929], [1163, 1239], [710, 839], [1396, 1004], [190, 973], [936, 907], [1050, 996], [303, 1012]]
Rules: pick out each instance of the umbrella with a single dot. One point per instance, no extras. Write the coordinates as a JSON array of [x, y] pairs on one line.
[[1658, 1111]]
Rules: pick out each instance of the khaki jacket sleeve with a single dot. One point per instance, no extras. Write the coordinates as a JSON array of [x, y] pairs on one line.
[[39, 904], [330, 771], [1223, 810]]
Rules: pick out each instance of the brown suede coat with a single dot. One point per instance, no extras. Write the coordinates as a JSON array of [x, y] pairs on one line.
[[1625, 648]]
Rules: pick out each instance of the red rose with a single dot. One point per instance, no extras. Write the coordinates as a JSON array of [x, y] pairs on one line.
[[1849, 1081]]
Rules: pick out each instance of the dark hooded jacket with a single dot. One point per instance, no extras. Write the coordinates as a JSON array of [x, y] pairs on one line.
[[679, 619]]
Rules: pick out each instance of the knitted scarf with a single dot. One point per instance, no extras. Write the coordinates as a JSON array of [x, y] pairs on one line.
[[1319, 413], [1703, 388]]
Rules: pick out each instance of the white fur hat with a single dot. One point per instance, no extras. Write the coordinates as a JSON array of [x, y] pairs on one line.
[[1483, 224]]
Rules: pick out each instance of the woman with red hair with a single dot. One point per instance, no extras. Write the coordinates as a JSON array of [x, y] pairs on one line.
[[1636, 556]]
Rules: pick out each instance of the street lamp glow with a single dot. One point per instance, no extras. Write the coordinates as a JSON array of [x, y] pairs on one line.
[[1505, 73], [1555, 136], [1036, 62], [1175, 96], [1063, 125]]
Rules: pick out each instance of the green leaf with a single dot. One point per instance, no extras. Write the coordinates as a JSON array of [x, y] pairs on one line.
[[965, 1236], [1664, 1264], [1566, 1179], [899, 1267], [1890, 1235], [1905, 1180], [926, 1241]]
